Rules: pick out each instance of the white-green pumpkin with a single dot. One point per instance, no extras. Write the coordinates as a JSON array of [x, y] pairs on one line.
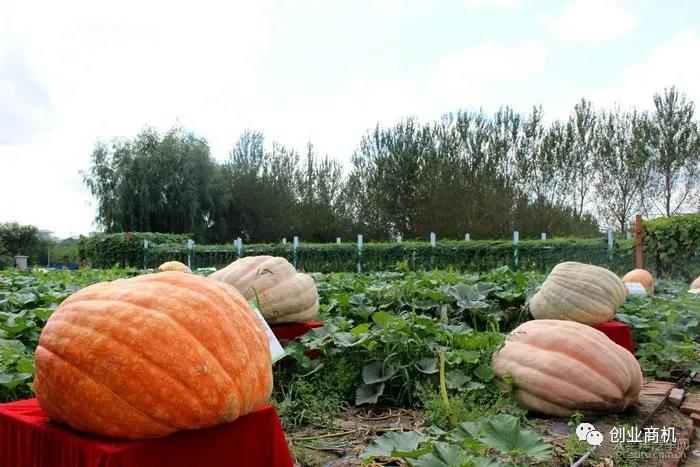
[[579, 292], [283, 294]]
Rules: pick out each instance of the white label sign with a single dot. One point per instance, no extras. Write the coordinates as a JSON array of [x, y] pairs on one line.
[[276, 350], [635, 288]]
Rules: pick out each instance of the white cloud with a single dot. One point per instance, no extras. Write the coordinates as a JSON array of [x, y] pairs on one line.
[[24, 103], [671, 63], [493, 3], [477, 76], [591, 21], [79, 72]]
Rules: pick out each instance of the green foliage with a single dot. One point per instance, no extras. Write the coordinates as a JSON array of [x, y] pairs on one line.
[[674, 245], [314, 398], [396, 325], [675, 153], [16, 370], [16, 239], [471, 443], [465, 405], [6, 259], [108, 250], [666, 331], [476, 255], [156, 183]]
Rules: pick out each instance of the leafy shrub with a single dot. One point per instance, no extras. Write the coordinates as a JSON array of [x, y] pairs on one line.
[[476, 255], [109, 250], [673, 243]]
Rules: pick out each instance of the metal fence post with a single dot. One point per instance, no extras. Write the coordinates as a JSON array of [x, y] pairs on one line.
[[190, 247], [432, 250], [610, 244], [359, 253], [516, 241], [295, 246], [239, 247], [467, 237], [543, 236], [145, 250], [337, 240]]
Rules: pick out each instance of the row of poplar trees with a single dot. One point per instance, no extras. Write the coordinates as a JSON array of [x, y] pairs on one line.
[[468, 172]]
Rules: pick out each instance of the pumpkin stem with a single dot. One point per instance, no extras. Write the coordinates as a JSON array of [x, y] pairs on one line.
[[443, 388]]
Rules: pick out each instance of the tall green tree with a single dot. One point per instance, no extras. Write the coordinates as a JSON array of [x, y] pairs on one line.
[[675, 147], [582, 124], [622, 166], [155, 184]]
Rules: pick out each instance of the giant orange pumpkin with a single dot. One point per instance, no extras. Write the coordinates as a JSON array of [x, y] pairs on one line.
[[559, 367], [642, 276], [151, 355]]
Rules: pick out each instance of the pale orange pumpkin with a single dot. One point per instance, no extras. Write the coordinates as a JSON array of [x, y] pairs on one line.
[[174, 266], [151, 355], [642, 276], [579, 292], [282, 294], [559, 367], [695, 286]]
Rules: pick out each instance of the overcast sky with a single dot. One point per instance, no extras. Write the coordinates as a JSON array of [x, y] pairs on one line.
[[73, 73]]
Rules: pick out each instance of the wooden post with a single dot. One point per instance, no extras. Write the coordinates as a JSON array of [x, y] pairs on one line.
[[638, 244]]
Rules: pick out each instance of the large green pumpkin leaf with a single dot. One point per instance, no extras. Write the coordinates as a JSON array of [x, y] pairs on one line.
[[396, 444], [368, 394], [377, 371]]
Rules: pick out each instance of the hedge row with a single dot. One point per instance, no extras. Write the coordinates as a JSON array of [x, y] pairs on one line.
[[672, 245], [107, 250], [477, 255]]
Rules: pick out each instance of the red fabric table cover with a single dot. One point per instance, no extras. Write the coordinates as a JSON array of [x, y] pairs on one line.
[[28, 439], [618, 332], [288, 332]]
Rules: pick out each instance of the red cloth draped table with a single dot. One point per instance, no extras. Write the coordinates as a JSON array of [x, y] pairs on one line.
[[28, 439], [618, 332], [290, 331]]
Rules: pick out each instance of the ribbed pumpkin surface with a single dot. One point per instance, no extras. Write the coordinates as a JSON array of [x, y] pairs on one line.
[[642, 276], [579, 292], [151, 355], [173, 266], [284, 295], [559, 367]]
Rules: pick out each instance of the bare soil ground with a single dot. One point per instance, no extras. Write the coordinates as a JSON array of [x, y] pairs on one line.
[[340, 442]]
